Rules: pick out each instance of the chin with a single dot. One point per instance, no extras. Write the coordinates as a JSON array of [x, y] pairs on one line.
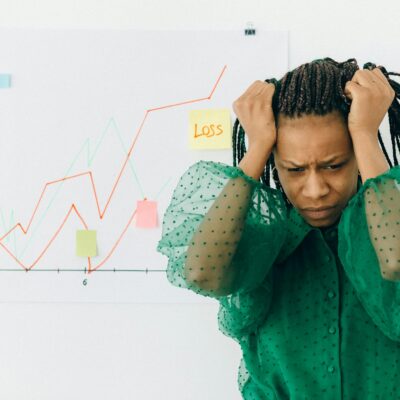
[[323, 222], [320, 224]]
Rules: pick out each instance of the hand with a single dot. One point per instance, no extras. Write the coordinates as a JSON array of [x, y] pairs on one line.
[[254, 111], [371, 96]]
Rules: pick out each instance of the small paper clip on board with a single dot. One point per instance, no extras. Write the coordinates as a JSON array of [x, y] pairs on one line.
[[249, 30]]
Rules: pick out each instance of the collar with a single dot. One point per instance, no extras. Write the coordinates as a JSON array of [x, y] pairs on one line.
[[330, 232], [298, 228]]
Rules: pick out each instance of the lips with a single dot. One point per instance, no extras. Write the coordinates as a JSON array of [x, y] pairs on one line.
[[317, 208], [318, 213]]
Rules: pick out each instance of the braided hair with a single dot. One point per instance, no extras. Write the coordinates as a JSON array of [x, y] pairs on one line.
[[317, 88]]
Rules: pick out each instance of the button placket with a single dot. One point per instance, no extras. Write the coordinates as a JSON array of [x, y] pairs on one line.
[[327, 257]]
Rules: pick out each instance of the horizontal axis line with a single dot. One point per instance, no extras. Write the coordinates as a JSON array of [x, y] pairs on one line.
[[81, 270]]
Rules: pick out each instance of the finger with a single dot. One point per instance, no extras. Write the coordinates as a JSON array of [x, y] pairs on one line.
[[385, 82], [258, 88], [350, 88], [266, 90], [364, 77], [254, 88], [347, 89], [249, 89], [379, 74]]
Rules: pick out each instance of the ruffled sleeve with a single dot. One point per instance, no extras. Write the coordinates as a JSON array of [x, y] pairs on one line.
[[369, 248], [221, 233]]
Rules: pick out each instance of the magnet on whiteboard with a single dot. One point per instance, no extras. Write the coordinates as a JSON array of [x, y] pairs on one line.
[[5, 81]]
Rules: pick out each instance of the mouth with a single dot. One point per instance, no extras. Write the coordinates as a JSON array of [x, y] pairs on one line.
[[318, 213]]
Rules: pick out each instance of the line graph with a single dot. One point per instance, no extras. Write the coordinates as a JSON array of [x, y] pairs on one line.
[[90, 156], [101, 210]]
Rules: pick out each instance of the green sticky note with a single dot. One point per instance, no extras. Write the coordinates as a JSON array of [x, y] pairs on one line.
[[5, 81], [86, 243]]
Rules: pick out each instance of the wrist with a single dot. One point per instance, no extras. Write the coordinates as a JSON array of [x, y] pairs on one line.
[[255, 159], [370, 137], [261, 146]]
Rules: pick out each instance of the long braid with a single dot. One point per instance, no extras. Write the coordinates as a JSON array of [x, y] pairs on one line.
[[317, 87]]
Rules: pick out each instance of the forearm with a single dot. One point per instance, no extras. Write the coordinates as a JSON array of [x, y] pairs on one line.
[[383, 216], [381, 207], [370, 159], [213, 245]]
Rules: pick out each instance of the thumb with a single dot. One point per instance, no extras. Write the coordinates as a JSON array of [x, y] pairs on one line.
[[348, 88]]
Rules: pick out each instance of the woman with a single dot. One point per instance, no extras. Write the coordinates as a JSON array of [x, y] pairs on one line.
[[307, 274]]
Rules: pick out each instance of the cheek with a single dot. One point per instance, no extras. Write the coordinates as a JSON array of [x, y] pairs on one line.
[[290, 185], [346, 185]]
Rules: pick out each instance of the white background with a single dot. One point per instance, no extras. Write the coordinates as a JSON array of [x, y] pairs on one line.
[[79, 102], [126, 351]]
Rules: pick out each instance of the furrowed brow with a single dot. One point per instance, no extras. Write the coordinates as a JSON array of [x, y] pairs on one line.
[[328, 161]]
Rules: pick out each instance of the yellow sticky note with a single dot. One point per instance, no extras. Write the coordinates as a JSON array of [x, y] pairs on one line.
[[86, 243], [146, 214], [210, 129]]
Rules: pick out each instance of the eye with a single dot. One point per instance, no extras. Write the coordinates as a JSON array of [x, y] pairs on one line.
[[300, 169], [294, 169], [336, 166]]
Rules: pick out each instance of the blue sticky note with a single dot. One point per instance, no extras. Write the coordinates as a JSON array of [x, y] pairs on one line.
[[5, 81]]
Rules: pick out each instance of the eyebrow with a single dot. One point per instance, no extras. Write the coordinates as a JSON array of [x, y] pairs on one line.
[[328, 161]]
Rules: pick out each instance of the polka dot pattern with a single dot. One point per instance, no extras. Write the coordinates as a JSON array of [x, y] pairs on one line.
[[315, 311]]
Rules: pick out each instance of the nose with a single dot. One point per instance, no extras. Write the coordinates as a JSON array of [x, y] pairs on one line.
[[315, 186]]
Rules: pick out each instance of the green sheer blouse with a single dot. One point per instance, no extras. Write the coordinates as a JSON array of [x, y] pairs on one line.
[[316, 311]]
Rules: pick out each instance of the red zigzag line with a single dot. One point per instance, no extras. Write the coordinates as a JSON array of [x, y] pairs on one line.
[[101, 213]]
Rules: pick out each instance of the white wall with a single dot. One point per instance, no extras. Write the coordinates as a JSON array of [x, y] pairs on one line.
[[103, 351]]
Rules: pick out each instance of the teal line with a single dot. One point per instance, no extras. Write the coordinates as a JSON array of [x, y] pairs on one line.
[[51, 201], [11, 224], [129, 160], [90, 158], [4, 223], [162, 188], [131, 167]]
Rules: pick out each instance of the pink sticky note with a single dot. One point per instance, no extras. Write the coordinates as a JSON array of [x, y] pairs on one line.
[[146, 214]]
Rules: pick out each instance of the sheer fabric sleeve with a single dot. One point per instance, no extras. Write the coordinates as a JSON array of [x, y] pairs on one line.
[[369, 248], [221, 233]]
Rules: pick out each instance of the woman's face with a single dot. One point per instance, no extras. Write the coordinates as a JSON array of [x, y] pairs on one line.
[[316, 165]]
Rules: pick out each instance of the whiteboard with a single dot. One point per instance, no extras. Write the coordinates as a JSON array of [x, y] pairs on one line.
[[94, 121]]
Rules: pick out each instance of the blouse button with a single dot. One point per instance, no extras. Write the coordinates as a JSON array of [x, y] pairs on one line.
[[331, 294], [328, 258], [331, 368], [332, 329]]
